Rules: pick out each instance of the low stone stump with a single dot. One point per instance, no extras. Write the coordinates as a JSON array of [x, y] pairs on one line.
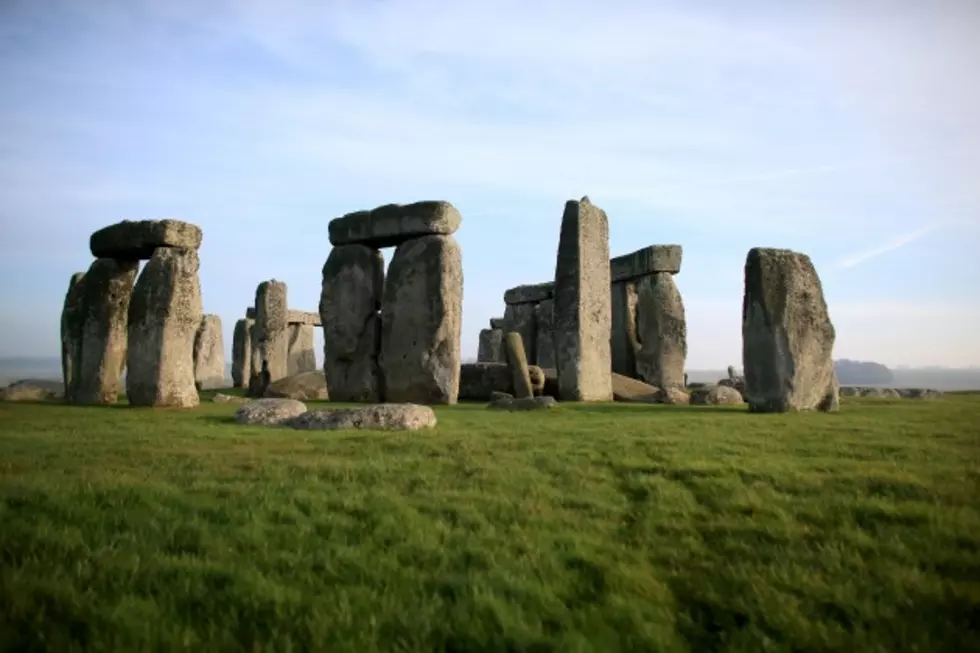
[[383, 417]]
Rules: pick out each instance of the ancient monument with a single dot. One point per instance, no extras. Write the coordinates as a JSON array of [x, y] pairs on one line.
[[209, 354], [787, 336], [272, 334], [113, 321], [393, 339]]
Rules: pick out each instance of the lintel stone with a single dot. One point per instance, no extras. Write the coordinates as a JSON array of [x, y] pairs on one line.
[[530, 294], [393, 224], [132, 240], [646, 261]]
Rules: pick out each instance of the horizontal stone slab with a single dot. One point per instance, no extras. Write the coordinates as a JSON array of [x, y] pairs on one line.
[[292, 317], [496, 323], [136, 239], [646, 261], [393, 224], [530, 294]]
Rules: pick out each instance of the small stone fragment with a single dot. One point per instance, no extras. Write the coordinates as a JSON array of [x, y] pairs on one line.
[[306, 386]]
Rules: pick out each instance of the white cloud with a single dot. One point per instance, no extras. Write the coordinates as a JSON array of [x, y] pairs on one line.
[[858, 258]]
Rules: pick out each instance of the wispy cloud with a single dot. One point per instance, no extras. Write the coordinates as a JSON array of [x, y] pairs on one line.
[[858, 258]]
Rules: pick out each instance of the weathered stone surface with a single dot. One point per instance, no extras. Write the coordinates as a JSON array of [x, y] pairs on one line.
[[241, 353], [494, 396], [269, 412], [33, 390], [787, 336], [491, 349], [880, 393], [582, 304], [107, 289], [536, 374], [259, 382], [629, 389], [517, 361], [393, 224], [421, 320], [302, 357], [673, 397], [522, 318], [221, 398], [523, 403], [382, 417], [850, 391], [163, 320], [306, 386], [478, 381], [136, 239], [623, 339], [643, 262], [530, 294], [353, 282], [661, 329], [72, 323], [209, 354], [292, 317], [549, 385], [271, 327], [717, 395], [497, 323], [919, 393], [544, 350]]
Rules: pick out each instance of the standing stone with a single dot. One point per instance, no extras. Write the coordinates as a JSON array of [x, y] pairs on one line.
[[624, 341], [544, 350], [241, 353], [271, 314], [522, 319], [163, 320], [107, 288], [209, 354], [421, 321], [302, 358], [662, 332], [582, 304], [517, 361], [491, 349], [71, 331], [787, 336], [353, 282]]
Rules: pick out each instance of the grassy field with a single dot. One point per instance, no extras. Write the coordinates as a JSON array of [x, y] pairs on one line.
[[587, 528]]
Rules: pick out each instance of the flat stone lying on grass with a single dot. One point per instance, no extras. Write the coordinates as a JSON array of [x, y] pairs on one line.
[[307, 386], [222, 398], [385, 417], [524, 403], [627, 389], [269, 412], [716, 395], [33, 390]]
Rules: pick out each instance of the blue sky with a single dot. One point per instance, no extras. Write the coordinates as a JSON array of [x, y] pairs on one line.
[[850, 134]]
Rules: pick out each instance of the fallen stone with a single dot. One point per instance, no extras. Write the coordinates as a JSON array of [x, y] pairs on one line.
[[209, 354], [523, 403], [301, 356], [654, 259], [134, 240], [673, 397], [522, 318], [72, 324], [353, 282], [787, 336], [880, 393], [478, 381], [164, 316], [517, 362], [33, 390], [497, 323], [393, 224], [544, 350], [582, 305], [269, 412], [306, 386], [271, 327], [627, 389], [716, 395], [491, 347], [421, 321], [221, 398], [661, 329], [107, 292], [382, 417], [241, 353], [530, 294], [623, 342]]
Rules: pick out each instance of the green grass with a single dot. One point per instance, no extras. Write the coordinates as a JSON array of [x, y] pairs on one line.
[[587, 528]]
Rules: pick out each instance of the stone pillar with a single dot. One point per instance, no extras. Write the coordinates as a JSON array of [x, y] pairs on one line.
[[71, 332], [209, 354], [544, 316], [582, 304], [624, 340], [241, 353], [106, 291], [164, 317], [662, 331], [302, 358], [491, 349], [271, 314], [517, 363]]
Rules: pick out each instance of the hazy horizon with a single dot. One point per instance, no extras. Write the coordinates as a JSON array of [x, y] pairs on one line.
[[849, 133]]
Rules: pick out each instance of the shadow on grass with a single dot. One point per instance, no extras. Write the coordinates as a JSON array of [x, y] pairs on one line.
[[218, 419]]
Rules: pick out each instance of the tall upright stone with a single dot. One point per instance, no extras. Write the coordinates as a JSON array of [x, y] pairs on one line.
[[491, 347], [71, 331], [241, 353], [787, 335], [302, 358], [164, 317], [271, 325], [421, 321], [209, 354], [517, 363], [661, 330], [350, 298], [544, 350], [582, 304]]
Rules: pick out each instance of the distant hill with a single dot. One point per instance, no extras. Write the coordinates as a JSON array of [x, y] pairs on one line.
[[862, 373]]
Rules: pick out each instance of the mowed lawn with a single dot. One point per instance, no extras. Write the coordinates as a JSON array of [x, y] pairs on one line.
[[586, 528]]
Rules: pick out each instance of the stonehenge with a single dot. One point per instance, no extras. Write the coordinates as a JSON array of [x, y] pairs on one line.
[[241, 353], [787, 335], [393, 338], [114, 320], [209, 354]]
